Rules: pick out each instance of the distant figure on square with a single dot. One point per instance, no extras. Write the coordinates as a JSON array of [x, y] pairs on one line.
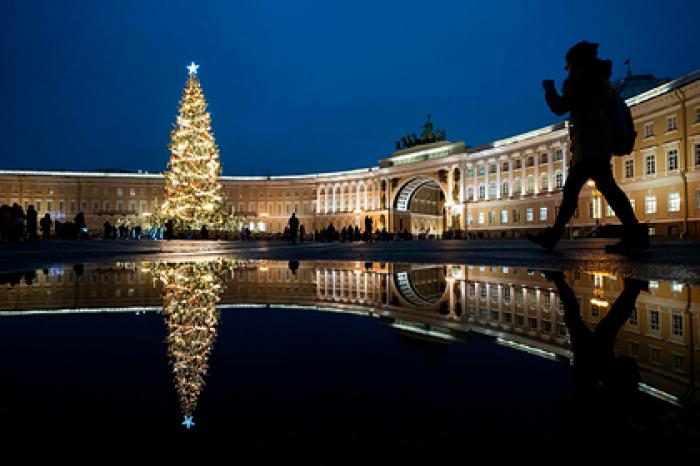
[[45, 225], [293, 227], [588, 97]]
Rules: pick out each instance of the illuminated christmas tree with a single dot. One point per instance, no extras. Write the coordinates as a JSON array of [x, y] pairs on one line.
[[190, 294], [193, 194]]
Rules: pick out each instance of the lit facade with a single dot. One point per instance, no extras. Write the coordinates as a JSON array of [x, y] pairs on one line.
[[501, 189]]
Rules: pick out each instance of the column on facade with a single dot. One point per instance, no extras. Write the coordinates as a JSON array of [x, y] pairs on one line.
[[550, 170], [511, 176], [318, 285], [486, 181], [451, 302], [498, 180], [358, 185], [318, 200], [538, 187], [564, 161], [333, 204], [475, 183]]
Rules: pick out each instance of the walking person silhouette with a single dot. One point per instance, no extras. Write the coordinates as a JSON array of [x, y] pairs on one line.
[[587, 96]]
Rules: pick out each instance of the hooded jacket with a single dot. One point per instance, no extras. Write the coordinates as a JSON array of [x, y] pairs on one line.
[[587, 95]]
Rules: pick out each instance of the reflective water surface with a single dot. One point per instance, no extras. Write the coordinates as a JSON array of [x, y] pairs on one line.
[[326, 360]]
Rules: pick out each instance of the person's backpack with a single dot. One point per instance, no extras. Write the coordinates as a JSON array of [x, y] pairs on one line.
[[623, 127]]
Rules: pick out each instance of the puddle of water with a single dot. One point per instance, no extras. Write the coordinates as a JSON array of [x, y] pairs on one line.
[[373, 354]]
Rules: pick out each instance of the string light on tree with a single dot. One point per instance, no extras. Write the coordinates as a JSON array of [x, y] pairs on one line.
[[193, 194]]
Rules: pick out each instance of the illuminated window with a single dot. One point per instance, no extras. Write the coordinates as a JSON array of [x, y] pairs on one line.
[[544, 182], [516, 215], [132, 191], [543, 157], [558, 179], [650, 204], [482, 192], [529, 217], [633, 319], [629, 168], [543, 214], [480, 218], [518, 188], [674, 202], [530, 184], [504, 216], [482, 170], [470, 219], [676, 287], [649, 130], [559, 155]]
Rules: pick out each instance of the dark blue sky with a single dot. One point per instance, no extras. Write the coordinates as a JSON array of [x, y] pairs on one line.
[[301, 86]]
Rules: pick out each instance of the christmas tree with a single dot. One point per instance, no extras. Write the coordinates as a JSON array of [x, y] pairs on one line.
[[193, 194], [190, 294]]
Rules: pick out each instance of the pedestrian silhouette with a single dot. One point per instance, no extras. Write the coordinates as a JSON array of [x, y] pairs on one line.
[[293, 227], [588, 98], [45, 225]]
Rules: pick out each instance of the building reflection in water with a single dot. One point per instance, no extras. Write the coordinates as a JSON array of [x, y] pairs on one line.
[[191, 292], [521, 309]]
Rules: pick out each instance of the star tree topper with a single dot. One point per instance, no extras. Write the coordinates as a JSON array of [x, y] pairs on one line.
[[192, 68]]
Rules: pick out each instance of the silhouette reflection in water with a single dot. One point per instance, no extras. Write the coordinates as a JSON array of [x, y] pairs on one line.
[[190, 294], [604, 386]]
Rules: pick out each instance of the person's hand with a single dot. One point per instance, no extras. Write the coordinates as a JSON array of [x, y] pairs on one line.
[[548, 84]]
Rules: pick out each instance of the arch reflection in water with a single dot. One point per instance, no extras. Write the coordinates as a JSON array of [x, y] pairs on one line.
[[191, 292]]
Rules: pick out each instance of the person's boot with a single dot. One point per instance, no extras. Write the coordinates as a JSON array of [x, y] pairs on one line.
[[547, 239], [635, 239]]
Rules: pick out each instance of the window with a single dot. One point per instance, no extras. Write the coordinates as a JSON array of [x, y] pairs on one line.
[[480, 218], [678, 362], [633, 319], [505, 189], [482, 291], [492, 219], [482, 170], [634, 348], [493, 190], [504, 166], [650, 204], [650, 164], [518, 188], [654, 321], [543, 158], [649, 130], [677, 324], [530, 184], [470, 193], [629, 168], [482, 192], [609, 212], [470, 219], [543, 214], [558, 179], [120, 192], [697, 155], [671, 124], [132, 191], [544, 182], [492, 168], [506, 294], [504, 216], [674, 202], [516, 215], [518, 163], [528, 214], [697, 115], [655, 355], [559, 155], [470, 172], [531, 161], [672, 160], [676, 287]]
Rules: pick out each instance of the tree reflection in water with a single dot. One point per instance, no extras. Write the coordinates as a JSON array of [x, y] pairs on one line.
[[190, 294]]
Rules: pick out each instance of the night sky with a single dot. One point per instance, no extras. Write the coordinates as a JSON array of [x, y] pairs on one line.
[[302, 86]]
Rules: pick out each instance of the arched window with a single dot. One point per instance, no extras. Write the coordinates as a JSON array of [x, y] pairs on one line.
[[505, 189], [530, 184], [558, 179], [493, 190], [544, 183]]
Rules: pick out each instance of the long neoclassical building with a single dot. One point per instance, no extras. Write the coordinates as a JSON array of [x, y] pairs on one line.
[[501, 189]]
